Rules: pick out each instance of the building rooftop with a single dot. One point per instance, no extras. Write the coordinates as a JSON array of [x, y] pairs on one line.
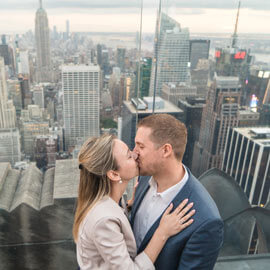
[[193, 103], [168, 108], [260, 131], [78, 68], [248, 112], [227, 81], [260, 135]]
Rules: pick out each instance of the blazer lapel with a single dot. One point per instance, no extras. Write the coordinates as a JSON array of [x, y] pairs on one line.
[[184, 193], [140, 193]]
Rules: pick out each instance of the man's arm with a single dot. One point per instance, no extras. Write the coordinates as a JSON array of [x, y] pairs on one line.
[[201, 250]]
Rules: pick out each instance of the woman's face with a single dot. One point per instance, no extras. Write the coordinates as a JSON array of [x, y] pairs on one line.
[[126, 160]]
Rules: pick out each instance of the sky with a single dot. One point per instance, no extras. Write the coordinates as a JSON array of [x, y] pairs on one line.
[[200, 16]]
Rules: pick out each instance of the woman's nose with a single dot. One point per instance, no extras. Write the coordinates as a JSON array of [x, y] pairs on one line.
[[134, 155]]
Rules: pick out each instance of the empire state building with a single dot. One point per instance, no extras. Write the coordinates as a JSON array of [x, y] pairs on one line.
[[42, 35]]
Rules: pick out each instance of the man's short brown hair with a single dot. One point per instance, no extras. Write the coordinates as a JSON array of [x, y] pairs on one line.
[[167, 129]]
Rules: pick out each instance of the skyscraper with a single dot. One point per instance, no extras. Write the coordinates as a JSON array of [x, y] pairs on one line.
[[7, 53], [192, 114], [42, 35], [120, 58], [38, 96], [7, 109], [4, 50], [145, 76], [173, 92], [219, 114], [199, 49], [81, 90], [172, 54], [247, 160], [10, 146]]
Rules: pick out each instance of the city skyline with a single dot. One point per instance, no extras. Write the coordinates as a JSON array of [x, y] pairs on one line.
[[102, 16]]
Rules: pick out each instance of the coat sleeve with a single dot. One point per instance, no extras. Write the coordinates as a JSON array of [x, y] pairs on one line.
[[201, 250], [111, 245]]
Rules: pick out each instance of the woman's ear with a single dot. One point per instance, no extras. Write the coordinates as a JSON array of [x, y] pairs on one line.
[[113, 175]]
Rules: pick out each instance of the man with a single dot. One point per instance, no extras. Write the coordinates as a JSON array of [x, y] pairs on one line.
[[160, 144]]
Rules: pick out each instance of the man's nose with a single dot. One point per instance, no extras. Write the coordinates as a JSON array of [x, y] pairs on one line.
[[135, 150]]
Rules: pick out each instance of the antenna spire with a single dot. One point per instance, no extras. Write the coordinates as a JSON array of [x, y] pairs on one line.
[[234, 36], [40, 3]]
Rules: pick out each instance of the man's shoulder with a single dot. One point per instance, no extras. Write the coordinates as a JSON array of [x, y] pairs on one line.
[[203, 202]]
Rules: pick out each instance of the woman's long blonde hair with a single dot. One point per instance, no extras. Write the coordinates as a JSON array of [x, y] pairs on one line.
[[95, 160]]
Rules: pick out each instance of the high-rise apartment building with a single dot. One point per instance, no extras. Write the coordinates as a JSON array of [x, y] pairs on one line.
[[14, 93], [42, 35], [38, 96], [10, 146], [171, 54], [219, 114], [29, 131], [192, 108], [247, 160], [45, 151], [173, 92], [7, 109], [199, 49], [81, 88], [26, 94], [247, 117], [199, 77]]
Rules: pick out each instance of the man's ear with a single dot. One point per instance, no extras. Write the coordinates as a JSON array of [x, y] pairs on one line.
[[167, 150], [113, 175]]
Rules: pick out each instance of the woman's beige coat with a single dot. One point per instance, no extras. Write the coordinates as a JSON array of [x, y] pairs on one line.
[[106, 241]]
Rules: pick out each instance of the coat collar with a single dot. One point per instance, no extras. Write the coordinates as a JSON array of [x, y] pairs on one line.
[[139, 195]]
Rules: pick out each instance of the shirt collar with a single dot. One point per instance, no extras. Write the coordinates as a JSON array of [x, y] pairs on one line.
[[168, 195]]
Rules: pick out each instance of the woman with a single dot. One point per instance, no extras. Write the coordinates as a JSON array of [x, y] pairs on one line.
[[101, 229]]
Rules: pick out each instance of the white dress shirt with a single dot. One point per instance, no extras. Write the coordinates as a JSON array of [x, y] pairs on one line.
[[153, 205]]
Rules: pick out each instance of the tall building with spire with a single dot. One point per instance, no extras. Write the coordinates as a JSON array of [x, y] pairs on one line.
[[42, 35], [171, 61], [233, 60]]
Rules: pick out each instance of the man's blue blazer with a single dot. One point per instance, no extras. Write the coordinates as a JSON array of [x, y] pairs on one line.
[[198, 245]]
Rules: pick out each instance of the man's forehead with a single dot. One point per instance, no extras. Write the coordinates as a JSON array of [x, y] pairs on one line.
[[143, 134]]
